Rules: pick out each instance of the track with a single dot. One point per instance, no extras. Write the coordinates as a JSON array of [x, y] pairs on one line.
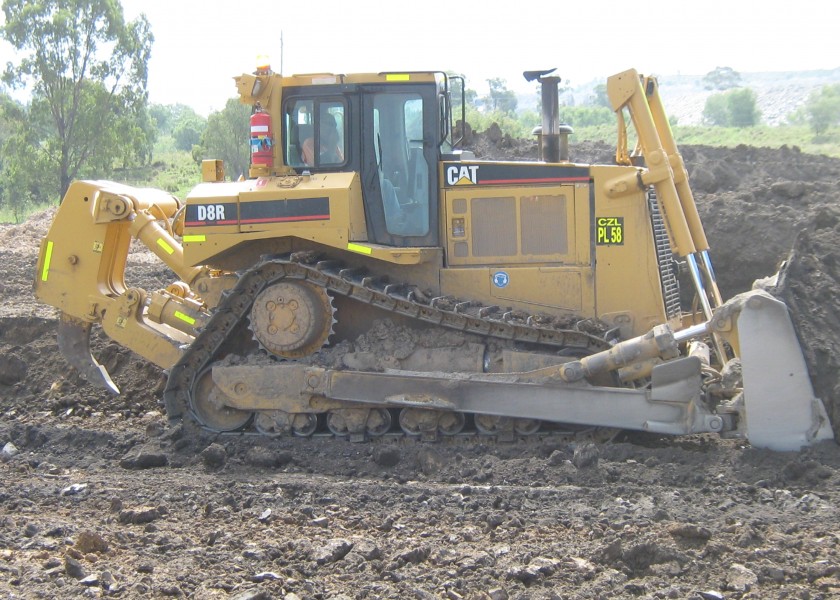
[[488, 322]]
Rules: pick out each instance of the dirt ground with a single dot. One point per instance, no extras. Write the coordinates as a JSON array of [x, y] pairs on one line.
[[99, 496]]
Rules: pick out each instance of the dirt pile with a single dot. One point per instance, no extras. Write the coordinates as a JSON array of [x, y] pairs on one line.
[[99, 496], [809, 284]]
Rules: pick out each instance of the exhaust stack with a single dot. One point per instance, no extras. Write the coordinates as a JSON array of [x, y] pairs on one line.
[[553, 135]]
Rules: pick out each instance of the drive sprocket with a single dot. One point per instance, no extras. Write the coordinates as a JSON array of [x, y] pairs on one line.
[[292, 318]]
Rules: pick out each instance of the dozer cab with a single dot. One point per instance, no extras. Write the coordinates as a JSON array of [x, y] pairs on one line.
[[562, 280]]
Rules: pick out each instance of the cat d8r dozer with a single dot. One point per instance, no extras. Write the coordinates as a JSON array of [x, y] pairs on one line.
[[546, 293]]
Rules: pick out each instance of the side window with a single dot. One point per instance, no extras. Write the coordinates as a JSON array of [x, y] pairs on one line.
[[316, 133]]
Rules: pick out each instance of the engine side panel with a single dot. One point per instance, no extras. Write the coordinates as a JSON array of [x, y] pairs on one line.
[[326, 208]]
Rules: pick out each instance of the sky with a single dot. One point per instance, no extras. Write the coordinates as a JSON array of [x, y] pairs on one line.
[[201, 44]]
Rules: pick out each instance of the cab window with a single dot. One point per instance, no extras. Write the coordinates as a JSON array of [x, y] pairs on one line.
[[316, 133]]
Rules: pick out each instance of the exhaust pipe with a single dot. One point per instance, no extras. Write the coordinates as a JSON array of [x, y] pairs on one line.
[[553, 135]]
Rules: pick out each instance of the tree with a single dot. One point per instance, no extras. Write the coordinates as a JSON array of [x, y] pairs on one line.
[[226, 138], [87, 69], [188, 129], [722, 78], [600, 97], [822, 109], [735, 108], [500, 97], [742, 108], [167, 116], [24, 178], [716, 110]]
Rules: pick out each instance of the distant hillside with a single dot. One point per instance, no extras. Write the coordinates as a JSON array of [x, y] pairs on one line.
[[778, 93]]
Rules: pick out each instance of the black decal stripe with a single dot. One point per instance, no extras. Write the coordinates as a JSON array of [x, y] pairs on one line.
[[191, 217], [286, 219], [279, 211]]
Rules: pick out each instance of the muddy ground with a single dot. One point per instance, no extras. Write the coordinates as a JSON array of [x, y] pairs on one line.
[[99, 496]]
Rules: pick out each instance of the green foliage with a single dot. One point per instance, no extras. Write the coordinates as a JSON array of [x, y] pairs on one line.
[[742, 107], [172, 170], [226, 138], [735, 108], [600, 97], [586, 116], [25, 179], [86, 68], [179, 121], [500, 97], [822, 110], [516, 126], [722, 78], [716, 111], [132, 140], [188, 130]]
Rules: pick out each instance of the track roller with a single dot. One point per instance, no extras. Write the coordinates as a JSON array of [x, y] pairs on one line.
[[279, 422], [421, 421], [359, 421], [493, 424]]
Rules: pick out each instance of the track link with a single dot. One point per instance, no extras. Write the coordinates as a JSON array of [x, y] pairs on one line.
[[585, 336]]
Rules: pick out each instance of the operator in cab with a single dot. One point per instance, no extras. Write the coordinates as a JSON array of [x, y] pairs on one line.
[[330, 148]]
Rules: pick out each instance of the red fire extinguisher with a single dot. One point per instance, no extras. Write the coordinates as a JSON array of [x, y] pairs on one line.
[[262, 138]]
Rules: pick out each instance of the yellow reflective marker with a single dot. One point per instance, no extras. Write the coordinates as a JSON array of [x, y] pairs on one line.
[[397, 77], [194, 238], [184, 318], [47, 258], [359, 248], [166, 247]]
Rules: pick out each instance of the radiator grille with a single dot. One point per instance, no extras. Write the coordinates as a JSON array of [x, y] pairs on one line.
[[493, 226], [544, 225]]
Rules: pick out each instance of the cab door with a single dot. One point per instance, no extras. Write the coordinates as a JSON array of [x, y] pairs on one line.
[[399, 157]]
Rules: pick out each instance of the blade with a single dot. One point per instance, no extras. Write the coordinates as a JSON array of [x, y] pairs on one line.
[[74, 344], [782, 412]]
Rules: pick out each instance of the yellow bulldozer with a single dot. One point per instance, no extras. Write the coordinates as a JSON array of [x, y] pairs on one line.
[[562, 280]]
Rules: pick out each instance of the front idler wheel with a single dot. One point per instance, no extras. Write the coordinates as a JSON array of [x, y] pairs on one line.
[[209, 406]]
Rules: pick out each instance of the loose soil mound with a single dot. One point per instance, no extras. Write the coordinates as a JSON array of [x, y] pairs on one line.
[[101, 497]]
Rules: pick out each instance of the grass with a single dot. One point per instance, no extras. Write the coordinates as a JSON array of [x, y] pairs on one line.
[[171, 170], [7, 215]]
